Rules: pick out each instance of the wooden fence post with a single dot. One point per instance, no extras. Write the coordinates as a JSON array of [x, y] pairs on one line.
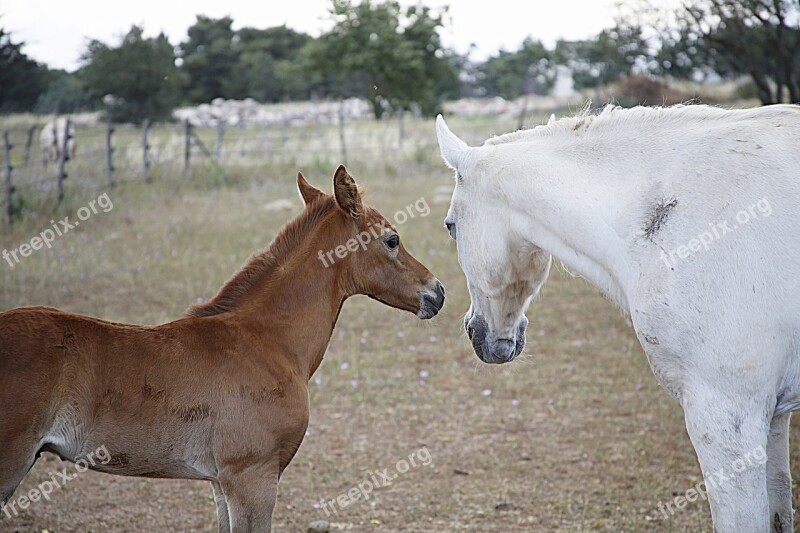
[[145, 151], [402, 131], [199, 143], [523, 114], [267, 145], [315, 108], [110, 155], [187, 145], [9, 186], [284, 128], [62, 171], [220, 136], [241, 135], [28, 145], [341, 132]]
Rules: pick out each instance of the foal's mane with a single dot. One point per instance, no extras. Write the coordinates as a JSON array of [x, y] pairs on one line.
[[263, 264]]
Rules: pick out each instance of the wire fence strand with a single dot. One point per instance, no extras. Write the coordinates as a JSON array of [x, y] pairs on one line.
[[41, 159]]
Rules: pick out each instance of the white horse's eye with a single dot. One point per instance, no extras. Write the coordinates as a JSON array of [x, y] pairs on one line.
[[451, 229]]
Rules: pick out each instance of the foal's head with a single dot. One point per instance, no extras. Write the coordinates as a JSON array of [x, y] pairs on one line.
[[504, 269], [368, 252]]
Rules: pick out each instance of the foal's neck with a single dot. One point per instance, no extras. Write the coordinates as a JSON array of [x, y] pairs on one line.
[[298, 312], [297, 306], [286, 295]]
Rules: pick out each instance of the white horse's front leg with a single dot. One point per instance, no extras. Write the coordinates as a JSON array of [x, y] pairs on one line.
[[729, 435], [779, 477]]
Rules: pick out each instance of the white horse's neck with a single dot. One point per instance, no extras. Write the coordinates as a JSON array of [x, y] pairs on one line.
[[583, 197], [573, 213]]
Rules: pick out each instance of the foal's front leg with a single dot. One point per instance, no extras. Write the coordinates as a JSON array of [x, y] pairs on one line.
[[223, 516], [251, 492]]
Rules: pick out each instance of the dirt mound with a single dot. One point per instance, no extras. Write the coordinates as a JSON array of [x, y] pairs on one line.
[[640, 90]]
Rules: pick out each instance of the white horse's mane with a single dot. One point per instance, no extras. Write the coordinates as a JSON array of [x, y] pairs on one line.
[[613, 116]]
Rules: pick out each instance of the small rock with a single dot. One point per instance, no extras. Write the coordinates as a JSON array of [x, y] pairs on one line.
[[502, 506], [284, 204], [460, 472], [319, 526], [524, 457]]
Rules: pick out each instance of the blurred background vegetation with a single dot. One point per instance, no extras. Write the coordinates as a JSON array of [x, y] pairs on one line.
[[393, 57]]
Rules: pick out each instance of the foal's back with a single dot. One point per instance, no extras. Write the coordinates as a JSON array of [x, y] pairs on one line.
[[154, 396]]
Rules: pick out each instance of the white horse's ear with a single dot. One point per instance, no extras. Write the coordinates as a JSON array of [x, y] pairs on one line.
[[552, 119], [453, 149]]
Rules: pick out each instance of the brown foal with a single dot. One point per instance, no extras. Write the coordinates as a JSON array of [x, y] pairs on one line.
[[220, 394]]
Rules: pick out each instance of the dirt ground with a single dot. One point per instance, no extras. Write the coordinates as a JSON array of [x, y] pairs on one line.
[[575, 436]]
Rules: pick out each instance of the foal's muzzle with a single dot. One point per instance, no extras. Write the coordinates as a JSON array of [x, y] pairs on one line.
[[431, 301], [487, 346]]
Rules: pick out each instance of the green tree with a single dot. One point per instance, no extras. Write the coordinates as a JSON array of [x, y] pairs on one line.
[[208, 58], [731, 38], [529, 70], [22, 79], [64, 94], [280, 42], [268, 65], [757, 38], [607, 58], [384, 53], [138, 77]]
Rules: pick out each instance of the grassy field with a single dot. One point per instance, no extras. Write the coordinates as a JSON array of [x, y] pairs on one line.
[[576, 436]]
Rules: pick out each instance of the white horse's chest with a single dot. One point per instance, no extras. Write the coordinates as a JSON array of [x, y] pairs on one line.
[[668, 366]]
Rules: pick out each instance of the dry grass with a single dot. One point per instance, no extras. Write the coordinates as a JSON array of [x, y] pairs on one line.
[[575, 437]]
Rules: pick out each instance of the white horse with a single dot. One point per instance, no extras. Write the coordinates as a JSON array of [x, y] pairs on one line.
[[52, 139], [689, 219]]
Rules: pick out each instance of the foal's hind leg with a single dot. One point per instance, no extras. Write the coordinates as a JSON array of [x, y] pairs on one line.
[[779, 478], [251, 491], [223, 516], [16, 459]]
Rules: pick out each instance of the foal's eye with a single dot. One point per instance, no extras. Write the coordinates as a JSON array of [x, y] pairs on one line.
[[393, 242]]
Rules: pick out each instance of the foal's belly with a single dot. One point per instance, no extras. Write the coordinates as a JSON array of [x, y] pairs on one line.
[[133, 441], [133, 456]]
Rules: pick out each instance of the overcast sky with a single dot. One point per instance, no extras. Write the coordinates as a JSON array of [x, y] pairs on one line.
[[56, 31]]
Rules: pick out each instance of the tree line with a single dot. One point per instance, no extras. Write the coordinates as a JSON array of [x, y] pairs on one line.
[[393, 57]]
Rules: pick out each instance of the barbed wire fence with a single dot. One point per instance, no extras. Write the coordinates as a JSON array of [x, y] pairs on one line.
[[96, 155]]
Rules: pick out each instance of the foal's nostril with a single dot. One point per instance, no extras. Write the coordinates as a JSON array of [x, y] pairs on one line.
[[431, 300], [470, 331]]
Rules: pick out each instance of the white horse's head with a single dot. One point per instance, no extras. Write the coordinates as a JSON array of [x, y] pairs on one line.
[[504, 269]]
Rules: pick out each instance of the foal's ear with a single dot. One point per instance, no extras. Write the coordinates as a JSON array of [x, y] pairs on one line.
[[308, 192], [346, 192]]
